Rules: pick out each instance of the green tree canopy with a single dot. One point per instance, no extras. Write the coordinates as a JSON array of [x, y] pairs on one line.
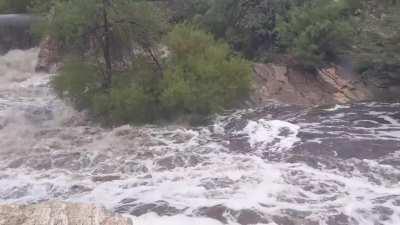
[[106, 30], [15, 6], [377, 46], [317, 32]]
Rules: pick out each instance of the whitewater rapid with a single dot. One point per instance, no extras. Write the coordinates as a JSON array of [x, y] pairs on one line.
[[277, 165]]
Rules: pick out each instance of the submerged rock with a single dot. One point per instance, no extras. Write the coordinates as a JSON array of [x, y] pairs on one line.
[[58, 213]]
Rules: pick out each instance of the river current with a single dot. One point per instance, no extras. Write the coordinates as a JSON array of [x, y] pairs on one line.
[[276, 165]]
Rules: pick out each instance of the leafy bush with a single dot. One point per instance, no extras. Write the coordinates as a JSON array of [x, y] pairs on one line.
[[78, 82], [14, 6], [377, 47], [317, 32], [202, 75]]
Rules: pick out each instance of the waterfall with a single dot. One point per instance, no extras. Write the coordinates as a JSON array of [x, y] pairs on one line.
[[16, 32]]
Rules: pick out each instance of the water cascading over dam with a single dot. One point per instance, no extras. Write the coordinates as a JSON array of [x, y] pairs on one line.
[[279, 164], [16, 32]]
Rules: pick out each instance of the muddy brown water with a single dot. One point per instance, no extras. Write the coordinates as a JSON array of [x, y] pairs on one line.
[[281, 164]]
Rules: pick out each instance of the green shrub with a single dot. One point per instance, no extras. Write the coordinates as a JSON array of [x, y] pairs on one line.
[[77, 82], [202, 75], [14, 6], [124, 105], [317, 32], [376, 50], [132, 97]]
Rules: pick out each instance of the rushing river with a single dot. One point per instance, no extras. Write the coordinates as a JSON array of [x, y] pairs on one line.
[[283, 165]]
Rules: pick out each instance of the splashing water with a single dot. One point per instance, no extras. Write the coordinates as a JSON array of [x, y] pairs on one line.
[[276, 165]]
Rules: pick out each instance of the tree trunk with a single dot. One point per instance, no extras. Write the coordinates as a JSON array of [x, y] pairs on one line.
[[106, 48]]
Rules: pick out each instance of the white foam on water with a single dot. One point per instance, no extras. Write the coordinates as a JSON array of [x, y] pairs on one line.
[[262, 133], [153, 218], [337, 107], [17, 66]]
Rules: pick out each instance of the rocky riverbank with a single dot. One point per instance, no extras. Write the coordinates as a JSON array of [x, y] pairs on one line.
[[59, 213]]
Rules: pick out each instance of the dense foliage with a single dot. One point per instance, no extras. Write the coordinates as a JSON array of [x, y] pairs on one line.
[[377, 46], [318, 31], [201, 76], [249, 26], [14, 6]]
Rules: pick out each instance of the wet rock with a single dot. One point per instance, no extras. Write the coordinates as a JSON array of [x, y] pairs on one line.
[[340, 219], [296, 213], [78, 189], [240, 144], [281, 220], [134, 167], [16, 163], [350, 148], [367, 124], [123, 131], [40, 162], [391, 162], [215, 212], [170, 162], [107, 178], [126, 205], [246, 217], [105, 168], [60, 214], [383, 200], [38, 114], [243, 217], [71, 161], [145, 155], [214, 183], [162, 208], [182, 137], [15, 192], [194, 160], [100, 158], [384, 213]]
